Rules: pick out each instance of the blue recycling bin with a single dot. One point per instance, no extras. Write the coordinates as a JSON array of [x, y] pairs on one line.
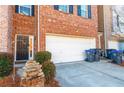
[[93, 55], [109, 53], [97, 57], [97, 54], [89, 56], [116, 56], [119, 57]]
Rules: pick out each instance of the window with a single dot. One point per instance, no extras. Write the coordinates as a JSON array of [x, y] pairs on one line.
[[64, 8], [25, 9], [84, 11]]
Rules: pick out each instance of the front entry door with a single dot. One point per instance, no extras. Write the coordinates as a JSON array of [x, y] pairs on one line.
[[24, 47]]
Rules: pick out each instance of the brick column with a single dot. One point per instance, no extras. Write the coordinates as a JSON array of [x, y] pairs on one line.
[[5, 28]]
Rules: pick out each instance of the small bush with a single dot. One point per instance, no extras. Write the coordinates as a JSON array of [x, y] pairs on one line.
[[5, 64], [8, 56], [42, 56], [49, 70]]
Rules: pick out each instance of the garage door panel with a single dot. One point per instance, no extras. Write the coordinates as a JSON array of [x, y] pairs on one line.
[[66, 49], [113, 45]]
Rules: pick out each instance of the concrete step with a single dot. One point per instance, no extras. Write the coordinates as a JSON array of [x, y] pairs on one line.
[[20, 64], [20, 61], [19, 72]]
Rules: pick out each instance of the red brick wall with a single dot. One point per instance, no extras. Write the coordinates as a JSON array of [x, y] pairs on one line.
[[53, 21], [58, 22]]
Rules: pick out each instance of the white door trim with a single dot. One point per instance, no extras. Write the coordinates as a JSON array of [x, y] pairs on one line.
[[32, 38], [15, 47]]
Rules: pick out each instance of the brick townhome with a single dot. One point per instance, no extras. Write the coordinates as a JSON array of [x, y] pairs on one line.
[[109, 38], [65, 31]]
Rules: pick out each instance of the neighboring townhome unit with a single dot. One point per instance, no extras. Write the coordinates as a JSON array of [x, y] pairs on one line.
[[110, 35], [5, 28]]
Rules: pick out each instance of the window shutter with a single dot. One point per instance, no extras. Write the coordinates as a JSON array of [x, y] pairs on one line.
[[17, 9], [79, 10], [32, 9], [71, 9], [56, 7], [89, 11]]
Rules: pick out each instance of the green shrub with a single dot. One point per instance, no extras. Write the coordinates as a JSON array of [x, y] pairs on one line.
[[49, 70], [48, 67], [8, 56], [5, 64], [42, 56]]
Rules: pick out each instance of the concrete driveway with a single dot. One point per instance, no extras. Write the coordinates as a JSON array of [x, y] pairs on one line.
[[85, 74]]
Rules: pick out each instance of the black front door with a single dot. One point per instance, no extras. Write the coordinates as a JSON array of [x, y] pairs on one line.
[[22, 51]]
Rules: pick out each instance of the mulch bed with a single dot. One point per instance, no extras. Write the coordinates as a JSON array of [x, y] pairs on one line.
[[122, 64], [9, 82], [53, 83]]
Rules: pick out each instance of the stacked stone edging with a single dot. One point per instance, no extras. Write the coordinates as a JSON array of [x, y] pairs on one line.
[[32, 75]]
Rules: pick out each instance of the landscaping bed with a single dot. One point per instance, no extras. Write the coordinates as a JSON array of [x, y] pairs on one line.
[[53, 83], [9, 82], [36, 73]]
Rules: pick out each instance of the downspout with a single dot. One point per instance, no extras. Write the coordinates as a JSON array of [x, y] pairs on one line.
[[105, 31], [38, 28]]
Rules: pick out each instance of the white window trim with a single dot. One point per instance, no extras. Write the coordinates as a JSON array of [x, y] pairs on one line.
[[26, 7]]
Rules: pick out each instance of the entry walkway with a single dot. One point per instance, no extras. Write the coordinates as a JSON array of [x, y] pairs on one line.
[[85, 74]]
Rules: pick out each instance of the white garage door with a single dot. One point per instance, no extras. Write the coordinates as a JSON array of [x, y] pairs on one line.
[[67, 49], [113, 45]]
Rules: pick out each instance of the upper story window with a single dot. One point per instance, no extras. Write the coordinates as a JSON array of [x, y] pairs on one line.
[[25, 9], [84, 11], [64, 8]]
